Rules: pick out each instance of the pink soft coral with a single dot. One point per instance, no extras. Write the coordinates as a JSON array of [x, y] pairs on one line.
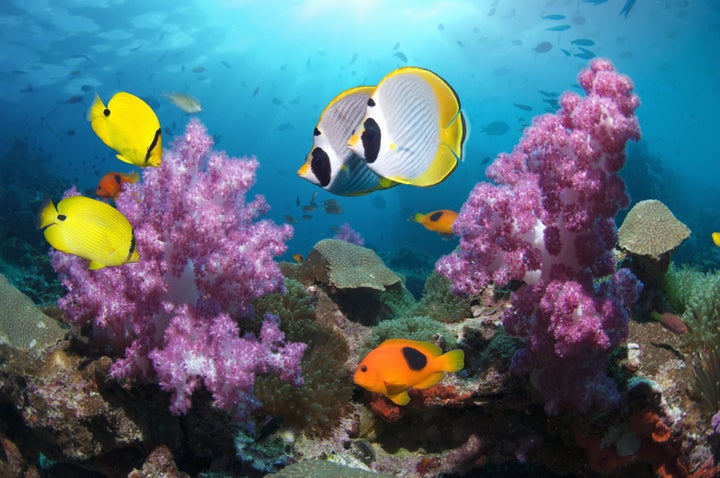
[[204, 255], [549, 221]]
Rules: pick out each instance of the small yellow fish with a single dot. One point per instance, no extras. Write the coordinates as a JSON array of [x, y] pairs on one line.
[[716, 238], [90, 229], [130, 127], [397, 365], [185, 102]]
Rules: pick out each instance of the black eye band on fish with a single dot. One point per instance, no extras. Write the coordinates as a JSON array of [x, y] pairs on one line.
[[320, 166], [152, 146], [371, 140]]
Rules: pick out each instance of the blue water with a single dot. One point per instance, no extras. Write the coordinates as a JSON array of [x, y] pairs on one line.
[[265, 70]]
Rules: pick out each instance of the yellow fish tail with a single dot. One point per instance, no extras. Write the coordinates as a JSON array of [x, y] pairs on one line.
[[48, 214], [419, 217], [132, 177], [452, 361]]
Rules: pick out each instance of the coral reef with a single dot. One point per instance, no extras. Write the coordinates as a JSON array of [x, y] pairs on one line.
[[549, 222], [176, 315], [22, 324], [316, 407]]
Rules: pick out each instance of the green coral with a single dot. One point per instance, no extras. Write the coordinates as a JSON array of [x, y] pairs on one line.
[[697, 295], [413, 328], [439, 303], [316, 406]]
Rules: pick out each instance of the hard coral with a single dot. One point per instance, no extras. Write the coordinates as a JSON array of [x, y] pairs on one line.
[[204, 257], [549, 222]]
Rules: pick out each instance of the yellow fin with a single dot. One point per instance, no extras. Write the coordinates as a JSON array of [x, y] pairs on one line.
[[99, 121], [401, 398], [93, 266], [451, 361], [431, 380], [133, 177], [716, 238]]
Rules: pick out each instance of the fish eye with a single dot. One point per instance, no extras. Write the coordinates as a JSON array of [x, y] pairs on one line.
[[363, 368], [106, 112]]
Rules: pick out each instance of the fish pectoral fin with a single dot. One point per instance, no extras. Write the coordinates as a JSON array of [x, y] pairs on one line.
[[401, 398], [430, 381], [93, 266]]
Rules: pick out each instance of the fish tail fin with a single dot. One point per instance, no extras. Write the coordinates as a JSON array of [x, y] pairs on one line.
[[132, 177], [452, 361], [419, 217], [716, 238], [47, 215]]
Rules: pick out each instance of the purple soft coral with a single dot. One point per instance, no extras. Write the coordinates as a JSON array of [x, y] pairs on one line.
[[203, 257], [348, 234], [549, 222]]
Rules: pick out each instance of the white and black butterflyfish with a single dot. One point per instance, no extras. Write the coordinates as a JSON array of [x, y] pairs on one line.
[[330, 163], [413, 129]]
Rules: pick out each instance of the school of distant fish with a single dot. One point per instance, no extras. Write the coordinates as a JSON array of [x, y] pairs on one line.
[[408, 129]]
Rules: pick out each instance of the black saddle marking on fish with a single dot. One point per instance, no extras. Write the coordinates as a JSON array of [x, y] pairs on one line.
[[371, 102], [152, 146], [133, 244], [415, 359], [320, 165], [371, 140], [117, 179], [316, 132], [436, 216]]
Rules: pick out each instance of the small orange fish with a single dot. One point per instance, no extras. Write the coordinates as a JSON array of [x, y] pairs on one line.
[[397, 365], [298, 258], [440, 221], [111, 184]]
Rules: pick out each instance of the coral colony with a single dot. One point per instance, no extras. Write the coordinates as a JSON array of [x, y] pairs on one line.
[[549, 221], [177, 313]]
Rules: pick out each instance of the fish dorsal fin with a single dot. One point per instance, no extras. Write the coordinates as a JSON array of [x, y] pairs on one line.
[[428, 348]]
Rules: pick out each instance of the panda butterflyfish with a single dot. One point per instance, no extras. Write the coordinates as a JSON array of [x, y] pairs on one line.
[[413, 130], [330, 164], [440, 221], [129, 126], [112, 183], [716, 238], [397, 365], [90, 229]]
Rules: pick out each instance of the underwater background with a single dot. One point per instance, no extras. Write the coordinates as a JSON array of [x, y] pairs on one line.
[[263, 72]]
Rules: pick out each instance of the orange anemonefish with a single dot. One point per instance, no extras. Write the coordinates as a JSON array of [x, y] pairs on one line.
[[440, 221], [298, 258], [399, 364], [111, 184]]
